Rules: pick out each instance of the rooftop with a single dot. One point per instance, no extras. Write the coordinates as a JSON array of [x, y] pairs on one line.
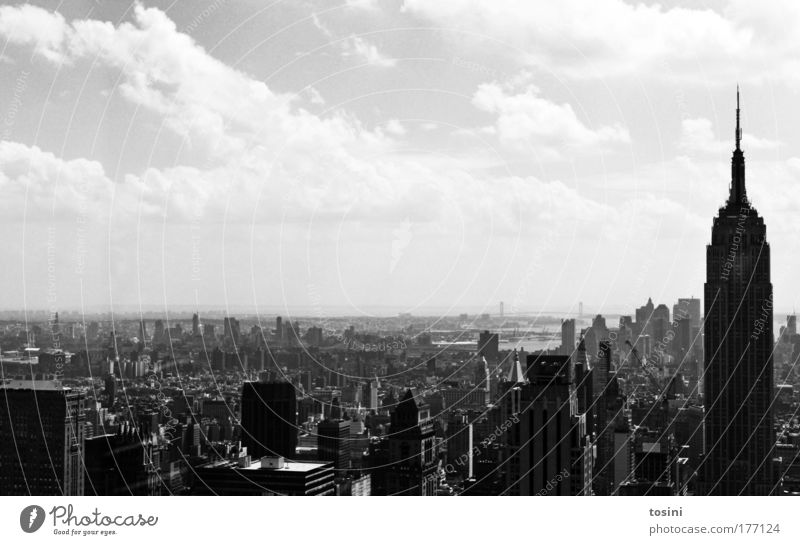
[[48, 385]]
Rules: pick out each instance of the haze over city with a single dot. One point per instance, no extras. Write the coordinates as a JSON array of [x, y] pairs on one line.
[[384, 157]]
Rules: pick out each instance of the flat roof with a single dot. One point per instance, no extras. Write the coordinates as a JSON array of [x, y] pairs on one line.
[[299, 467], [49, 385], [289, 466]]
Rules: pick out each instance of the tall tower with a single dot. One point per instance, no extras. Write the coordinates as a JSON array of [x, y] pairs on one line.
[[42, 453], [538, 438], [269, 419], [412, 469], [738, 347]]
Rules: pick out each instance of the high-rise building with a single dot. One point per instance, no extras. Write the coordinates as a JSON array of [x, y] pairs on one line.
[[738, 375], [687, 308], [110, 394], [412, 468], [371, 395], [660, 323], [333, 443], [567, 336], [459, 442], [791, 324], [159, 330], [122, 464], [269, 419], [230, 328], [42, 425], [643, 316], [268, 476], [483, 380], [538, 442], [142, 331], [196, 325], [489, 346], [612, 428]]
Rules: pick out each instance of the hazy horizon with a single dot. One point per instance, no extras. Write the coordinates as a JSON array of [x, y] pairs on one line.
[[400, 155]]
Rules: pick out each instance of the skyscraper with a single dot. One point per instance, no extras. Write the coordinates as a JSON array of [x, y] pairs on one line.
[[611, 426], [42, 426], [738, 346], [269, 419], [489, 346], [567, 336], [333, 442], [539, 419], [411, 450]]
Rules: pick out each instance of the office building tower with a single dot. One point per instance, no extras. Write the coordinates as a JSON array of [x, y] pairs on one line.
[[567, 336], [738, 375], [230, 328], [489, 346], [195, 325], [538, 445], [142, 331], [269, 419], [371, 395], [688, 308], [660, 324], [333, 443], [127, 463], [159, 330], [612, 425], [459, 442], [42, 426], [267, 476], [791, 325], [110, 393], [412, 467], [643, 316]]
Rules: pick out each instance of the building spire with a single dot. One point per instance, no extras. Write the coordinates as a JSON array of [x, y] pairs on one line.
[[738, 196], [738, 125], [515, 374]]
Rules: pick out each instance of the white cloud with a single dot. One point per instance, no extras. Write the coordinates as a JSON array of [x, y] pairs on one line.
[[355, 47], [259, 140], [393, 126], [608, 38], [525, 120], [42, 183], [363, 4], [697, 136], [29, 25], [359, 48]]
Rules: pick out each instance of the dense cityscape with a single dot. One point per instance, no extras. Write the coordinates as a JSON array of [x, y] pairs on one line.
[[690, 396], [664, 401]]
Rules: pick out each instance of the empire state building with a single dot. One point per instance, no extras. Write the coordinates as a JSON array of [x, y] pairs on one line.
[[738, 375]]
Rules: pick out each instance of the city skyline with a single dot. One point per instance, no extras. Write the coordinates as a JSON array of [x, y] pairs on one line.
[[399, 248], [457, 165]]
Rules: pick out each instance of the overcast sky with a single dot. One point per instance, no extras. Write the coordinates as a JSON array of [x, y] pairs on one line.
[[384, 156]]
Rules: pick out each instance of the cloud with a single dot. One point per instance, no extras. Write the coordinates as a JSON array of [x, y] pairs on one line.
[[527, 121], [46, 186], [355, 47], [393, 126], [29, 25], [258, 140], [359, 48], [697, 136], [613, 38]]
